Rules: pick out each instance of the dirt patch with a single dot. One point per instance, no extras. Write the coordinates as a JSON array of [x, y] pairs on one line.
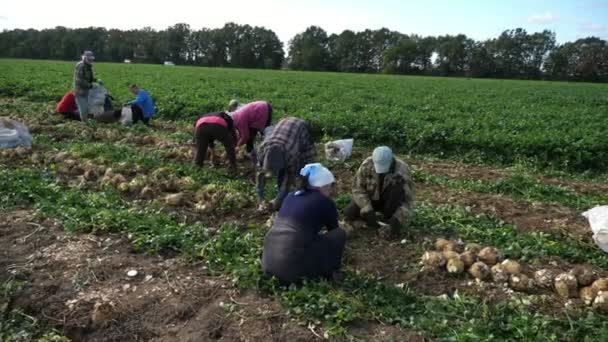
[[528, 217], [80, 284], [457, 170]]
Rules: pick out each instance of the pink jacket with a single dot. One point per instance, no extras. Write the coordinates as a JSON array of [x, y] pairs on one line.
[[252, 115], [211, 120]]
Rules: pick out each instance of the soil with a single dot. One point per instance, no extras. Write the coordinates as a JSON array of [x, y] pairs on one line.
[[80, 284]]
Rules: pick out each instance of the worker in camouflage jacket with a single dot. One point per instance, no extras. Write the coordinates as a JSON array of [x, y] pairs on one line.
[[382, 184], [83, 82]]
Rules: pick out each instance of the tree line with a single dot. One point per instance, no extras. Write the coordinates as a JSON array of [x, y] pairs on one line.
[[514, 54], [233, 45]]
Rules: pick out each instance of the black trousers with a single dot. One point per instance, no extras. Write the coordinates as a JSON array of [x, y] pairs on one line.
[[138, 115], [205, 137], [390, 200], [254, 132]]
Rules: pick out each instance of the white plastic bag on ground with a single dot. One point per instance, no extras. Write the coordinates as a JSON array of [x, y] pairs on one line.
[[14, 134], [339, 150], [126, 116], [598, 220], [97, 98]]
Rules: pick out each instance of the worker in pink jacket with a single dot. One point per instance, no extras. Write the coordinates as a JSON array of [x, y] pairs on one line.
[[251, 119]]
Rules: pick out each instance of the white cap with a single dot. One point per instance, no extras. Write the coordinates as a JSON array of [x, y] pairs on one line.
[[318, 175], [382, 158]]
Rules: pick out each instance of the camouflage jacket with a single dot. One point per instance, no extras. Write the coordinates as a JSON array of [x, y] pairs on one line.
[[83, 78], [366, 187]]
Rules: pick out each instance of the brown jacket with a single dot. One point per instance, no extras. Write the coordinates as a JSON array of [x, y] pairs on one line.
[[366, 187]]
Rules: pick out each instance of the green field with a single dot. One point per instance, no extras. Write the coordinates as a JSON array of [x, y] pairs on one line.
[[480, 151], [556, 124]]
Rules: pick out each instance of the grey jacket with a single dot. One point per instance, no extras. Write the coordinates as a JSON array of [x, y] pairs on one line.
[[83, 78]]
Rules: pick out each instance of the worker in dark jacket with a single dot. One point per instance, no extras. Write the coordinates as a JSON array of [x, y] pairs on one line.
[[211, 127], [282, 153], [295, 247], [83, 82]]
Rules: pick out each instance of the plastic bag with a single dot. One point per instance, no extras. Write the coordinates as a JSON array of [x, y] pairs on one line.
[[14, 134], [126, 116], [97, 99], [598, 220], [339, 150]]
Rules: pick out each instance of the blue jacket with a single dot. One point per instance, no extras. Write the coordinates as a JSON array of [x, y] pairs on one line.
[[145, 102]]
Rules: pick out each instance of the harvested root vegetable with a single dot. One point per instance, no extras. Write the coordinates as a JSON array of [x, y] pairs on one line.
[[544, 278], [203, 207], [90, 175], [61, 156], [102, 313], [468, 258], [453, 246], [440, 244], [473, 247], [601, 301], [488, 256], [118, 179], [146, 193], [601, 284], [499, 274], [588, 294], [450, 255], [455, 266], [175, 199], [109, 173], [566, 285], [433, 260], [124, 187], [520, 282], [585, 275], [480, 270], [511, 266]]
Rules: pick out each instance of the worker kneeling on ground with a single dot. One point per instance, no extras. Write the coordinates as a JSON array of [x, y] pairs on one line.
[[382, 184], [282, 153], [142, 106], [211, 127], [295, 248]]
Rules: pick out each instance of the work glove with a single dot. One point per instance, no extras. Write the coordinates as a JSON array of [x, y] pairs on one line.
[[371, 219]]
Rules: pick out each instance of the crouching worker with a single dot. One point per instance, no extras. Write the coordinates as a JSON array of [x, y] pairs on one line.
[[67, 107], [142, 106], [211, 127], [250, 120], [285, 151], [295, 248], [382, 184]]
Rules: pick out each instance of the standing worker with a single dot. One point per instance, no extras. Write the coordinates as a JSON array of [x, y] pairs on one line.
[[83, 82], [142, 106], [251, 119], [295, 248], [382, 184], [211, 127], [285, 151]]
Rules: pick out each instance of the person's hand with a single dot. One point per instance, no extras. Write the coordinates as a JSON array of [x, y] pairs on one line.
[[371, 219]]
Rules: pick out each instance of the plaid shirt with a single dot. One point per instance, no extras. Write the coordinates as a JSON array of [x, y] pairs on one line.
[[367, 187], [293, 135]]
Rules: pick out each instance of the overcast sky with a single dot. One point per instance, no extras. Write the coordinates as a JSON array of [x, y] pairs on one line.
[[475, 18]]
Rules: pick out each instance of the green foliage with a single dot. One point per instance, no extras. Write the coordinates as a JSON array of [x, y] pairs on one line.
[[487, 120]]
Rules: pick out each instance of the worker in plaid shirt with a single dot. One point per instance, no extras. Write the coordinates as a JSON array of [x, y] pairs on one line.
[[282, 154]]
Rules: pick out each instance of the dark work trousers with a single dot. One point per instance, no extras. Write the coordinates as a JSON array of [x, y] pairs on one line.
[[390, 200], [138, 114], [205, 137], [254, 132]]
